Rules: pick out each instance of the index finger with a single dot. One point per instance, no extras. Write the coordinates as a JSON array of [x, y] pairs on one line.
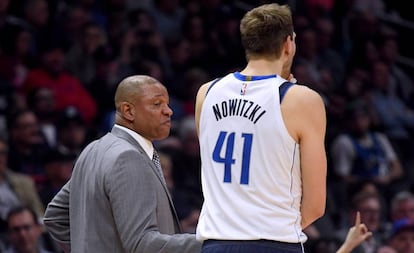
[[357, 219]]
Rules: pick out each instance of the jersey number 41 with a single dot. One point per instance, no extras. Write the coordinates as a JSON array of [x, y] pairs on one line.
[[228, 159]]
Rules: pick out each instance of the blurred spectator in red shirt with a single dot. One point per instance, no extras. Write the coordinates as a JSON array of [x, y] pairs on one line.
[[67, 88]]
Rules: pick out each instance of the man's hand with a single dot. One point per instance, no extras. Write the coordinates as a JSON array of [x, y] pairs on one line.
[[356, 235]]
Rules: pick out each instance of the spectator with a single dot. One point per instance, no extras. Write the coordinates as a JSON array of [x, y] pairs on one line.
[[194, 30], [103, 86], [18, 57], [375, 7], [93, 11], [179, 55], [227, 51], [369, 205], [307, 56], [80, 59], [401, 85], [402, 206], [6, 18], [16, 189], [72, 131], [27, 145], [188, 87], [400, 122], [355, 236], [25, 231], [167, 169], [188, 209], [361, 153], [142, 42], [364, 54], [327, 54], [168, 16], [66, 88], [58, 169], [395, 117], [38, 18], [187, 174], [42, 102], [73, 19], [402, 237], [36, 13]]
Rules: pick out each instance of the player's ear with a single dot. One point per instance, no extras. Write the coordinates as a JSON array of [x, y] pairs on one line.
[[288, 45]]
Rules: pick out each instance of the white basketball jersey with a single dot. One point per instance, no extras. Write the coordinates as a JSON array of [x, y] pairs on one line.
[[250, 164]]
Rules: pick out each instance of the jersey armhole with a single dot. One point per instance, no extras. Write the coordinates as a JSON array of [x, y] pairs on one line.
[[212, 84], [283, 89]]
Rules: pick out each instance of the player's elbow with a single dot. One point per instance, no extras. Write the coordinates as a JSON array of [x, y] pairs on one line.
[[320, 208], [311, 215], [319, 212], [313, 212]]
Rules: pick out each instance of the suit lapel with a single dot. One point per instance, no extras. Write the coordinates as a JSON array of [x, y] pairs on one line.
[[126, 136]]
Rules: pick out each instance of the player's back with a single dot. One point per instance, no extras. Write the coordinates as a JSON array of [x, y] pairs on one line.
[[250, 164]]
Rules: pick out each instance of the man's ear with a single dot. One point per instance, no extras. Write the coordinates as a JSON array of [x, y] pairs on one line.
[[127, 111], [288, 45]]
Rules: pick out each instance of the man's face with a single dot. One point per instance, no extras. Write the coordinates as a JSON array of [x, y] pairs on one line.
[[27, 129], [403, 242], [73, 135], [152, 115], [370, 213], [405, 210], [24, 233], [54, 61]]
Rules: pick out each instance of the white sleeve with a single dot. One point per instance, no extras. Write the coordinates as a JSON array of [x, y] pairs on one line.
[[389, 151], [343, 155]]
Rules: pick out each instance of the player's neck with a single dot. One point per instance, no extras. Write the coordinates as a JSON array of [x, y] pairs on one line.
[[262, 67]]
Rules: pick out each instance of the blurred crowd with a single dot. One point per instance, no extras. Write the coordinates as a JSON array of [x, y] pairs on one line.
[[60, 62]]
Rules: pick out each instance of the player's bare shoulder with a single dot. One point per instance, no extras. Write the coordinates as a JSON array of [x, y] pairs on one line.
[[201, 94], [302, 106], [203, 90], [301, 97]]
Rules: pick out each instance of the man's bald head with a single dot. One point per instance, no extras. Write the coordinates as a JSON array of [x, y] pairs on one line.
[[130, 87], [142, 106]]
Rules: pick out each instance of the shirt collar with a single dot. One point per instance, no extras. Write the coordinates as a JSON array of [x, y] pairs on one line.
[[145, 143]]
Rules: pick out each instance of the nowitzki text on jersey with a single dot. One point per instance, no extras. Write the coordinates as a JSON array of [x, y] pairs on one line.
[[238, 107]]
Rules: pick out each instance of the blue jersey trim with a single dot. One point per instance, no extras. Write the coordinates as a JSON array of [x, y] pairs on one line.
[[283, 89], [212, 84], [251, 78]]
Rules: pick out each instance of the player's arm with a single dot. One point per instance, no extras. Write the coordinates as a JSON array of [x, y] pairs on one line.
[[312, 122], [201, 94], [304, 114]]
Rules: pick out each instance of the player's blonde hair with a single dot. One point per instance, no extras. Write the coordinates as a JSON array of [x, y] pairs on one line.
[[264, 29]]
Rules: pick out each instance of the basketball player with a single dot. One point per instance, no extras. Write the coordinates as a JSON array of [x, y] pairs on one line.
[[262, 146]]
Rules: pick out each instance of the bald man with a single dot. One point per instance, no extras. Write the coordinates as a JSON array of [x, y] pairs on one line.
[[117, 200]]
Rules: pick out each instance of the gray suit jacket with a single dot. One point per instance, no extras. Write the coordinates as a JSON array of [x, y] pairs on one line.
[[116, 202]]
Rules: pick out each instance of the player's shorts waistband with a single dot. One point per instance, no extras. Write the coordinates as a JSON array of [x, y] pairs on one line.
[[267, 243]]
